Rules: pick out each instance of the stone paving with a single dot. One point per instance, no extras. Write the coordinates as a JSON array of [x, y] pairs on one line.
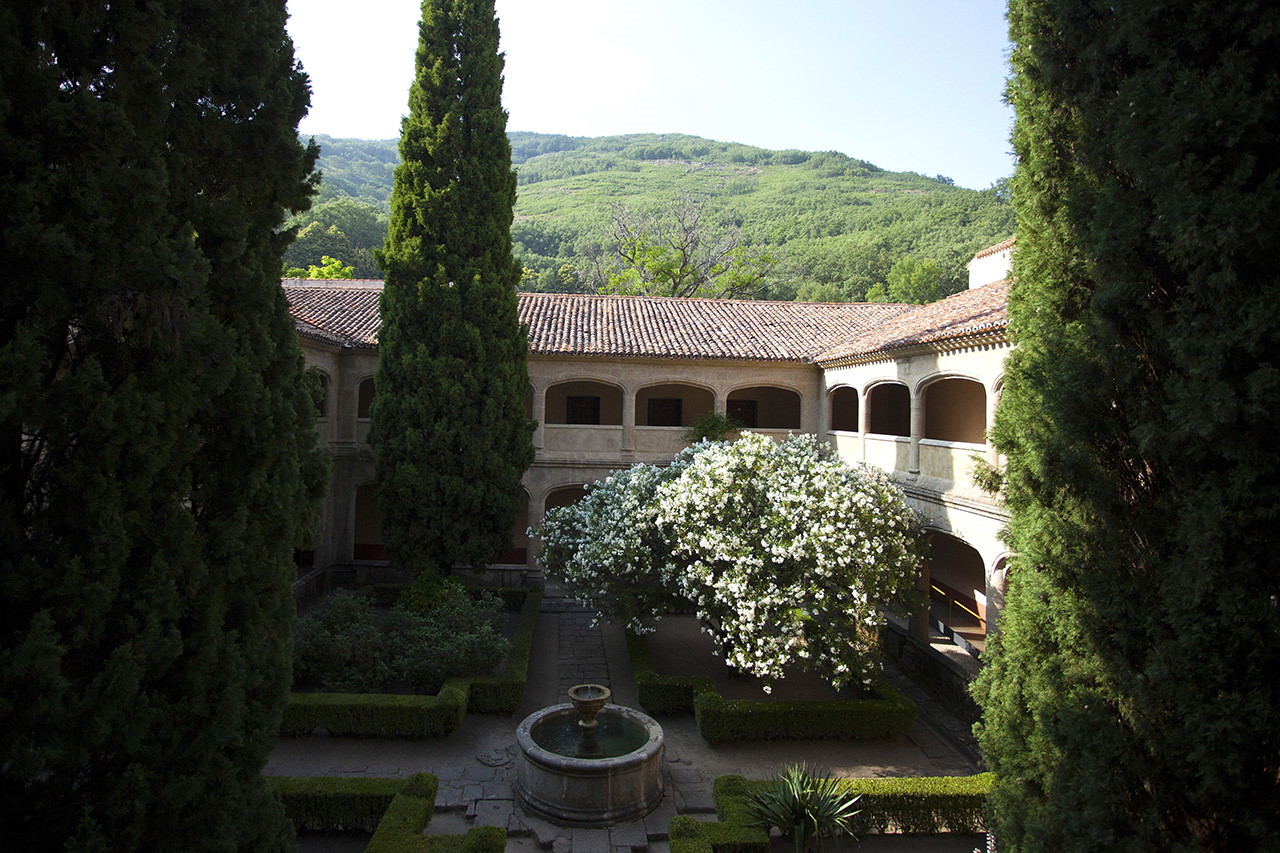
[[476, 765]]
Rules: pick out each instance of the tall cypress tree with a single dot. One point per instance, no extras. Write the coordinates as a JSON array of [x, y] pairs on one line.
[[1131, 700], [450, 432], [157, 458]]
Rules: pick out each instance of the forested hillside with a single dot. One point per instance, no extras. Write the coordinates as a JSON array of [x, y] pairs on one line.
[[620, 213]]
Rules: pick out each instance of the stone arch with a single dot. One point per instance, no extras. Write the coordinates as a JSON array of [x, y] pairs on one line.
[[367, 543], [583, 401], [563, 495], [958, 587], [364, 397], [672, 404], [765, 406], [888, 405], [842, 405], [955, 408], [323, 404]]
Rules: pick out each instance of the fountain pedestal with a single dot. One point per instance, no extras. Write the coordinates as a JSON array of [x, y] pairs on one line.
[[589, 776]]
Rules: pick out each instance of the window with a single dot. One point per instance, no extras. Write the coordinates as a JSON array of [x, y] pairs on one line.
[[743, 411], [582, 410], [365, 399], [666, 411]]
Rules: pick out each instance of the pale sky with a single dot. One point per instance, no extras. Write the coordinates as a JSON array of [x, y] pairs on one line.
[[910, 85]]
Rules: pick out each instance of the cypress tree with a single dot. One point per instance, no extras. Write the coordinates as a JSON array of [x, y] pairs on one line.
[[157, 460], [1131, 700], [450, 433]]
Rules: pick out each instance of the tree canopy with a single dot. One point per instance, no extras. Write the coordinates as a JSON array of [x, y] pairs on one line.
[[788, 555], [1130, 700], [157, 447], [449, 431]]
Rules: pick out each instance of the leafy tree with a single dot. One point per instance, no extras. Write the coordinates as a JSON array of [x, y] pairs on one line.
[[1131, 699], [912, 281], [331, 268], [788, 555], [677, 253], [450, 434], [339, 227], [157, 458]]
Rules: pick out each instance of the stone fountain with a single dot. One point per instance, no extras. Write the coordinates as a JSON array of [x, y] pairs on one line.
[[586, 762]]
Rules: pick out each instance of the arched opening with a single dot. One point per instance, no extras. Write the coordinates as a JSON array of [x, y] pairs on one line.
[[368, 529], [584, 402], [517, 553], [765, 407], [564, 495], [322, 404], [365, 398], [843, 402], [889, 409], [672, 405], [958, 590], [955, 410]]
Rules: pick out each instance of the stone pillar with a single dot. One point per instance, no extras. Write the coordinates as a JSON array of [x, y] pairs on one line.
[[917, 430], [919, 625], [628, 420], [539, 414], [824, 411], [864, 422]]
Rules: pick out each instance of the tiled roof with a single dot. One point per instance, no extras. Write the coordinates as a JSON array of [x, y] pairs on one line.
[[998, 247], [969, 312], [655, 327], [345, 313]]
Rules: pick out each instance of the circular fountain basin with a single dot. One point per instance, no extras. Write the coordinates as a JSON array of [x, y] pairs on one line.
[[595, 777]]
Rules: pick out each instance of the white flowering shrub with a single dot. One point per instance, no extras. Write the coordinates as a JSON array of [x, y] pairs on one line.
[[789, 555]]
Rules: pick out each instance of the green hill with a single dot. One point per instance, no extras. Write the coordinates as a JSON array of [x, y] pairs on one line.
[[836, 225]]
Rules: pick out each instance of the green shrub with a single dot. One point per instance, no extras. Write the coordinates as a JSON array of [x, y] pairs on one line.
[[723, 720], [377, 714], [390, 715], [924, 804], [339, 647], [803, 806], [919, 805], [335, 803], [400, 830], [502, 694], [347, 645]]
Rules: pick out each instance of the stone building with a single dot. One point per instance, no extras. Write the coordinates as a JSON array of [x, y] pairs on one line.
[[616, 380]]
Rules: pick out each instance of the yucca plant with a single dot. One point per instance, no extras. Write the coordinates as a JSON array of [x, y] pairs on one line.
[[804, 806]]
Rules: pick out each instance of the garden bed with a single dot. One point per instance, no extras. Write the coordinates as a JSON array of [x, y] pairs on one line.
[[422, 716], [677, 671], [907, 807], [395, 811]]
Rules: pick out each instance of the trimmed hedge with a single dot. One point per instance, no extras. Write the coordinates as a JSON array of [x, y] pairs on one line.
[[335, 803], [395, 715], [502, 694], [723, 720], [924, 805], [400, 830], [395, 810], [731, 834], [378, 714]]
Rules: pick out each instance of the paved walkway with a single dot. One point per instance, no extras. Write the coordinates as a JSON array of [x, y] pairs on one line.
[[476, 764]]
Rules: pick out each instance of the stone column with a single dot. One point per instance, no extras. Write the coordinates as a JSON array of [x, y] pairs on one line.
[[917, 430], [539, 414], [628, 420], [919, 625]]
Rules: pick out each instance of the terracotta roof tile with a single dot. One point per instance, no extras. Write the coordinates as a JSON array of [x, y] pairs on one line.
[[655, 327], [345, 313], [998, 247], [969, 312]]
